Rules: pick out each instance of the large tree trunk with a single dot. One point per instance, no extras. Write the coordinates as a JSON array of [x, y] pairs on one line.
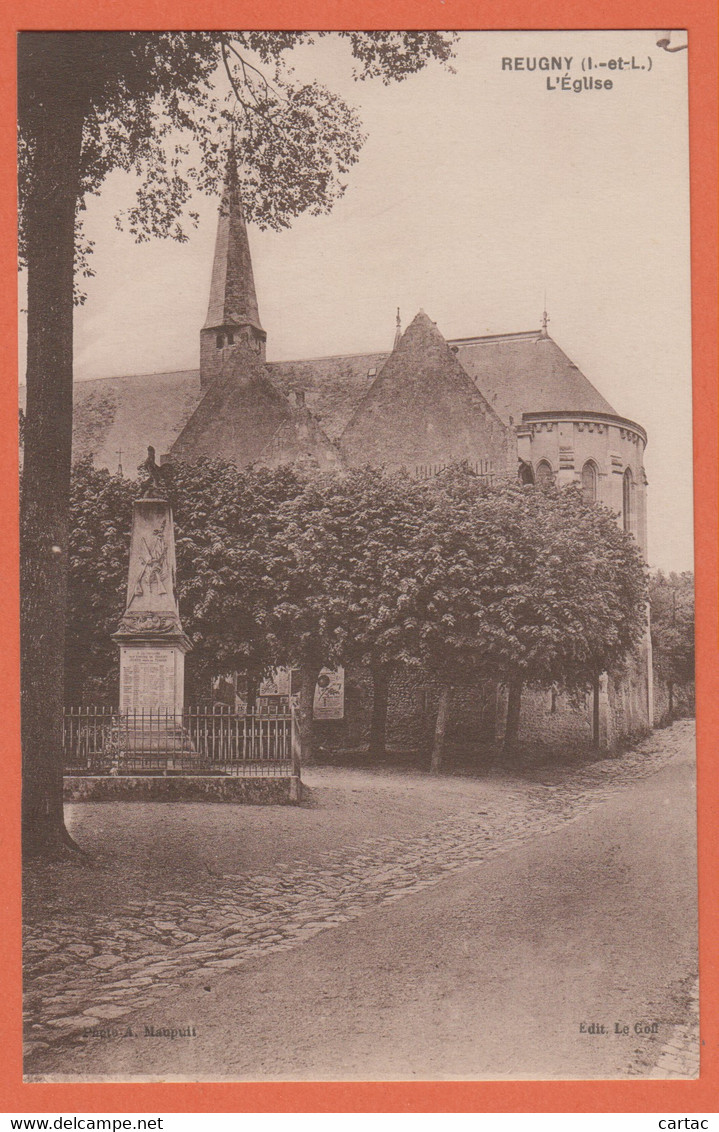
[[440, 727], [381, 675], [308, 674], [595, 715], [514, 707], [52, 111]]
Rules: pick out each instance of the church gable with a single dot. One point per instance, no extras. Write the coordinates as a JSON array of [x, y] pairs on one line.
[[422, 410], [239, 416], [300, 440], [332, 387]]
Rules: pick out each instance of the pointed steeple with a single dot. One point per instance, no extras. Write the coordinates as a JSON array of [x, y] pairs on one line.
[[232, 313]]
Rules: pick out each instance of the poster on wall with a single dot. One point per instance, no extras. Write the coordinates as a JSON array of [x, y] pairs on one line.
[[330, 694], [277, 683]]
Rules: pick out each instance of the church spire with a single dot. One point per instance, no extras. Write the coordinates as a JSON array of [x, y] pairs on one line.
[[232, 314]]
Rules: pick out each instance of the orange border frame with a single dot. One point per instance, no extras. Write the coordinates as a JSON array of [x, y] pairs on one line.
[[699, 17]]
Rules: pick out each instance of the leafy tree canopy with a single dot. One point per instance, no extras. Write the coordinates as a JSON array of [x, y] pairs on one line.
[[162, 105], [671, 599], [352, 563], [542, 586], [224, 537], [284, 567]]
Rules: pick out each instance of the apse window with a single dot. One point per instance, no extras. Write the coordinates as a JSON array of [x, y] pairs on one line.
[[589, 482], [544, 476], [628, 501]]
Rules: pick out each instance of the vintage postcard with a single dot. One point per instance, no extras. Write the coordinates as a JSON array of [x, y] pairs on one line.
[[357, 568]]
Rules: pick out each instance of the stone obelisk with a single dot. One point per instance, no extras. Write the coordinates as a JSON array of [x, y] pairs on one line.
[[150, 635]]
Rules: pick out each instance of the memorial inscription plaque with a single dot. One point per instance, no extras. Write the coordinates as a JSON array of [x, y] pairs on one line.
[[151, 679]]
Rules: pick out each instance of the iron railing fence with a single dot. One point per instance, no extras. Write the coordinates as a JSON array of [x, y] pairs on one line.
[[483, 469], [200, 740]]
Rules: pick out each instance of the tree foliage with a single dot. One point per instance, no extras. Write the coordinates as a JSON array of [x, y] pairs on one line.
[[101, 513], [450, 577], [527, 586], [161, 105], [224, 538], [353, 544], [543, 586], [671, 598]]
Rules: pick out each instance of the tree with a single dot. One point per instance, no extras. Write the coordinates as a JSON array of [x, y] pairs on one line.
[[313, 563], [99, 546], [90, 102], [671, 600], [543, 588], [449, 602], [577, 605], [227, 540], [357, 559]]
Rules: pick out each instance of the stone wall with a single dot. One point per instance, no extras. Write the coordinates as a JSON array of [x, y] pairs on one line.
[[629, 700], [412, 711], [255, 791], [478, 713], [549, 716]]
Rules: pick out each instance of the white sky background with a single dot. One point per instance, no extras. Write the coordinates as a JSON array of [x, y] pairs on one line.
[[474, 193]]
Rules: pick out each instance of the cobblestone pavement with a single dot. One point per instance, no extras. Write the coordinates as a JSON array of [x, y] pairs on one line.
[[88, 971], [679, 1056]]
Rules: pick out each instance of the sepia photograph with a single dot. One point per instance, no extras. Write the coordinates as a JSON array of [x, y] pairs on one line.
[[357, 556]]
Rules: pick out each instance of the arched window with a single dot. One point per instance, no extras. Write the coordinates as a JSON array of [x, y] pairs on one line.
[[628, 500], [544, 476], [526, 475], [220, 341], [589, 482]]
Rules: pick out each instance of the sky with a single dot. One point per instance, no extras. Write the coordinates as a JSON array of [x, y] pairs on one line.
[[476, 194]]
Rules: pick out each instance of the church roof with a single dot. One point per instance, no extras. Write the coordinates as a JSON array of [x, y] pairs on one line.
[[114, 415], [422, 408], [516, 373], [233, 300], [241, 414], [527, 373], [333, 386]]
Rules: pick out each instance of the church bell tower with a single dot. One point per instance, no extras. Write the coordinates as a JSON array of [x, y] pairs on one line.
[[232, 315]]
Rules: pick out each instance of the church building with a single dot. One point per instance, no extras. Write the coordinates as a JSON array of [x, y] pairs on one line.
[[511, 405]]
